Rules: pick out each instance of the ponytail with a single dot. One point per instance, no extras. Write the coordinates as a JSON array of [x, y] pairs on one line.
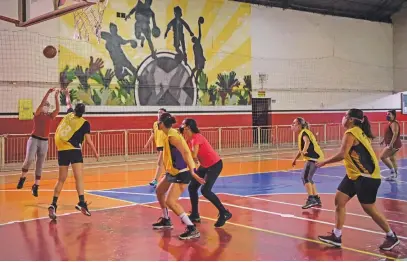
[[303, 123], [167, 119], [365, 126]]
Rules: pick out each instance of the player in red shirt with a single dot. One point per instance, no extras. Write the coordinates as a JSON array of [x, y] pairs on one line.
[[37, 144], [210, 168], [393, 144]]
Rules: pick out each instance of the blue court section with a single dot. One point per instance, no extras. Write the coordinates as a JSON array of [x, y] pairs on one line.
[[327, 180]]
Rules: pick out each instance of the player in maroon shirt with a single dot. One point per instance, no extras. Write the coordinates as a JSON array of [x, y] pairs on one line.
[[393, 144], [37, 144]]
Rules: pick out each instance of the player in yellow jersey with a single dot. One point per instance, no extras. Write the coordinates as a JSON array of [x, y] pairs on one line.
[[157, 137], [69, 136], [309, 149], [362, 178], [180, 169]]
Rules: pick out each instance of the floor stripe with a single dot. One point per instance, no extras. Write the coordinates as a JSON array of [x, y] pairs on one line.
[[317, 208], [289, 236]]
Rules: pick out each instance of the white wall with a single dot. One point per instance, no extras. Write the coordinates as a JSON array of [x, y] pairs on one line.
[[400, 50], [313, 61], [321, 62], [24, 72]]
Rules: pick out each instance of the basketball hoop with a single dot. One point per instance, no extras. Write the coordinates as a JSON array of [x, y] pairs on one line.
[[88, 20], [263, 79]]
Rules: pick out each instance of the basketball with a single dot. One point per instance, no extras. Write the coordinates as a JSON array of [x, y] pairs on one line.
[[156, 32], [201, 20], [50, 51], [133, 43]]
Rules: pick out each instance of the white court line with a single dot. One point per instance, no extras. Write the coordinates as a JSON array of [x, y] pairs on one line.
[[71, 213], [119, 192], [41, 190], [154, 162], [271, 194], [398, 181], [305, 219], [144, 163], [317, 208]]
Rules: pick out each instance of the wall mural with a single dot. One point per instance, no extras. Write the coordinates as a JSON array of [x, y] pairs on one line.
[[162, 53]]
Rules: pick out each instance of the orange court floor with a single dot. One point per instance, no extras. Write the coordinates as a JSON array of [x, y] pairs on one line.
[[262, 190]]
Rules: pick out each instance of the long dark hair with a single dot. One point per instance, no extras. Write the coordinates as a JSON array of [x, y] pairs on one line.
[[361, 121], [167, 119], [191, 123], [79, 109], [303, 123]]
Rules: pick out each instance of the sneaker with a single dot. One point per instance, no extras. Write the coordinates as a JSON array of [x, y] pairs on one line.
[[34, 190], [390, 242], [21, 182], [318, 199], [331, 239], [52, 211], [195, 218], [311, 202], [392, 177], [190, 233], [163, 223], [222, 218], [153, 183], [83, 207]]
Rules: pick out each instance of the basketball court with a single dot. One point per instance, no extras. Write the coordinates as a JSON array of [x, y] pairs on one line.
[[259, 187], [262, 190]]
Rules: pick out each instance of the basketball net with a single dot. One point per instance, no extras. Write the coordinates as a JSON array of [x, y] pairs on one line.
[[263, 79], [88, 21]]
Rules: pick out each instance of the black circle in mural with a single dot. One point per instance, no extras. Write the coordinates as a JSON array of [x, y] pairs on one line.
[[165, 81]]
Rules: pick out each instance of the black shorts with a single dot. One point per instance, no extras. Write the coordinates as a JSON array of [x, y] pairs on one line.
[[160, 148], [181, 178], [68, 157], [364, 187]]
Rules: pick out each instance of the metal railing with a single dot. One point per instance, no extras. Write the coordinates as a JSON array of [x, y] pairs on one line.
[[123, 145]]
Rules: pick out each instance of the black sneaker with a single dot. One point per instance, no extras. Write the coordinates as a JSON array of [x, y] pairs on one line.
[[190, 233], [195, 218], [21, 182], [390, 242], [311, 202], [318, 199], [52, 211], [163, 223], [34, 190], [331, 239], [222, 218], [83, 207]]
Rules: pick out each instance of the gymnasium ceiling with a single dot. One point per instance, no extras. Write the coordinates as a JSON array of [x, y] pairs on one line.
[[373, 10]]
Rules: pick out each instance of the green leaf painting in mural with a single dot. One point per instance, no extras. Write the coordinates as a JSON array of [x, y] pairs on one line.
[[202, 86], [213, 94], [73, 95], [243, 93], [226, 82]]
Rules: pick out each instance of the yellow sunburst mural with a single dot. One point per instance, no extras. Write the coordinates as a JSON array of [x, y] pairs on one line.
[[159, 52]]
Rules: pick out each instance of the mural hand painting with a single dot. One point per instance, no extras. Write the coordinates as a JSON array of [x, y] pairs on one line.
[[129, 73]]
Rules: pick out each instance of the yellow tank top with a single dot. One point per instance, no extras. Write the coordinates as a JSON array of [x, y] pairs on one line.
[[69, 125], [173, 161], [361, 159], [158, 135], [314, 151]]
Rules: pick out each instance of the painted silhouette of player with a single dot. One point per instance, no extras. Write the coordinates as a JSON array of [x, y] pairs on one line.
[[113, 45], [177, 24], [143, 14], [198, 52]]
